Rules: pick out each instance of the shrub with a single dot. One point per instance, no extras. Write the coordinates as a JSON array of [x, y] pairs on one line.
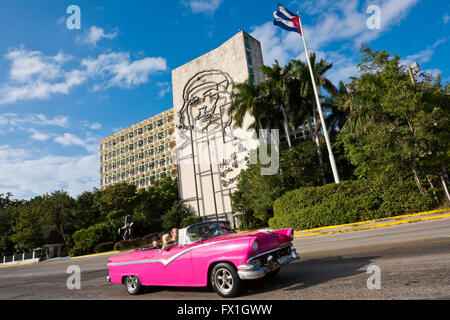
[[189, 220], [104, 247], [130, 244], [347, 202], [85, 240], [173, 218], [148, 238]]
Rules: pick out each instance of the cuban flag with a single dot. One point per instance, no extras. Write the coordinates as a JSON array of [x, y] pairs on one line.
[[287, 20]]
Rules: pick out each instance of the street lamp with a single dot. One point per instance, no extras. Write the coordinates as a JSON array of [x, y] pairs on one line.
[[413, 69]]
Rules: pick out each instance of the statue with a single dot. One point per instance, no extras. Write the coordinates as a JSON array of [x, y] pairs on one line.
[[127, 229]]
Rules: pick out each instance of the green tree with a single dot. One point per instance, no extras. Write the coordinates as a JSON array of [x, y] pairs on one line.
[[394, 129], [277, 83], [152, 204], [117, 201], [60, 208], [300, 71], [86, 212], [9, 214], [28, 231], [174, 217]]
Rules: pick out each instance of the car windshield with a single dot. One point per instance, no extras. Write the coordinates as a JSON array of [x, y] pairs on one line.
[[208, 230]]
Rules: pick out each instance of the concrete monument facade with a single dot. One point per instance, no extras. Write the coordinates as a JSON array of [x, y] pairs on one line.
[[210, 150]]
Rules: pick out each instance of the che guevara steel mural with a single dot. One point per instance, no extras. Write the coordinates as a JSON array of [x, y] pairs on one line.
[[204, 118]]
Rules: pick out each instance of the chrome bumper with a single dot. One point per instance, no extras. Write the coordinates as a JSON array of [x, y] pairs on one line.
[[256, 270]]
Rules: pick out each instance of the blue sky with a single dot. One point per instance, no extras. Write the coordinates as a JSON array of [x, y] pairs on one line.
[[63, 90]]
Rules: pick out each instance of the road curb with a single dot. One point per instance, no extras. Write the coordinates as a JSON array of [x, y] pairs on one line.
[[96, 254], [17, 265], [360, 225]]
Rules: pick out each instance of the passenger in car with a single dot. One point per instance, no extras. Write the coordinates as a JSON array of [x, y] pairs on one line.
[[156, 243], [170, 240]]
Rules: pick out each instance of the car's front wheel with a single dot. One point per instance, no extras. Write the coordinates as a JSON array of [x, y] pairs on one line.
[[225, 280], [133, 285]]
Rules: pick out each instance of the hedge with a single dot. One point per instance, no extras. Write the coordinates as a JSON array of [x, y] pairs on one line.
[[130, 244], [85, 240], [104, 247], [347, 202]]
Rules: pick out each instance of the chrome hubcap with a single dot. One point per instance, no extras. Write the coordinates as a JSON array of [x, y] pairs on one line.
[[132, 283], [224, 280]]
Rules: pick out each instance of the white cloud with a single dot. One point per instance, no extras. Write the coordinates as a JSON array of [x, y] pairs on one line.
[[95, 34], [165, 88], [68, 139], [35, 76], [446, 17], [16, 121], [95, 126], [61, 20], [39, 136], [26, 176], [424, 55], [202, 6], [29, 65], [333, 22], [121, 71]]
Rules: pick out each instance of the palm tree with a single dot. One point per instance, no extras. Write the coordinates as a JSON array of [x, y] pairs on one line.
[[301, 72], [247, 98], [277, 83]]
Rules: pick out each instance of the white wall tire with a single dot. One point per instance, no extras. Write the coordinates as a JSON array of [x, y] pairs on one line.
[[225, 280], [133, 285]]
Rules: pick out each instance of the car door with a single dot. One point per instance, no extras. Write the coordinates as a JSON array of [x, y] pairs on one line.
[[172, 267]]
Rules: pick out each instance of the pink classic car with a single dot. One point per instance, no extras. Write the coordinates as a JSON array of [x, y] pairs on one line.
[[208, 253]]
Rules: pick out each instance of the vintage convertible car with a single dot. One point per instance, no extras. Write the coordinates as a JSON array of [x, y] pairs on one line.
[[208, 253]]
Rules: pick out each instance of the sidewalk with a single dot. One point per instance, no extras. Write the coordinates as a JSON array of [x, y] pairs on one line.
[[373, 224]]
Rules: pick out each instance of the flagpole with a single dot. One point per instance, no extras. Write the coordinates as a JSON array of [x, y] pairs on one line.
[[324, 127]]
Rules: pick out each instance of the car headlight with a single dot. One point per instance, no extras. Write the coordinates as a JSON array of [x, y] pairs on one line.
[[255, 246]]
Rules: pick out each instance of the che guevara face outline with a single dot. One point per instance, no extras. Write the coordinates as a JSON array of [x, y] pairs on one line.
[[205, 97]]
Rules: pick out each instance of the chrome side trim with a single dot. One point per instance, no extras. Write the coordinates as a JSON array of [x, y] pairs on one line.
[[165, 262]]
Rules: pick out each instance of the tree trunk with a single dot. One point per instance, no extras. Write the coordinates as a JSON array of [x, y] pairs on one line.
[[444, 185], [416, 176], [317, 139], [311, 135], [286, 126]]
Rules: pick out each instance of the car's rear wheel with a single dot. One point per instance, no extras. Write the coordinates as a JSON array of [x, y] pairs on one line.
[[225, 280], [133, 285]]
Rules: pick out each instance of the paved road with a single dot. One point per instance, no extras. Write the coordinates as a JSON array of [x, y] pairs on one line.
[[414, 260]]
